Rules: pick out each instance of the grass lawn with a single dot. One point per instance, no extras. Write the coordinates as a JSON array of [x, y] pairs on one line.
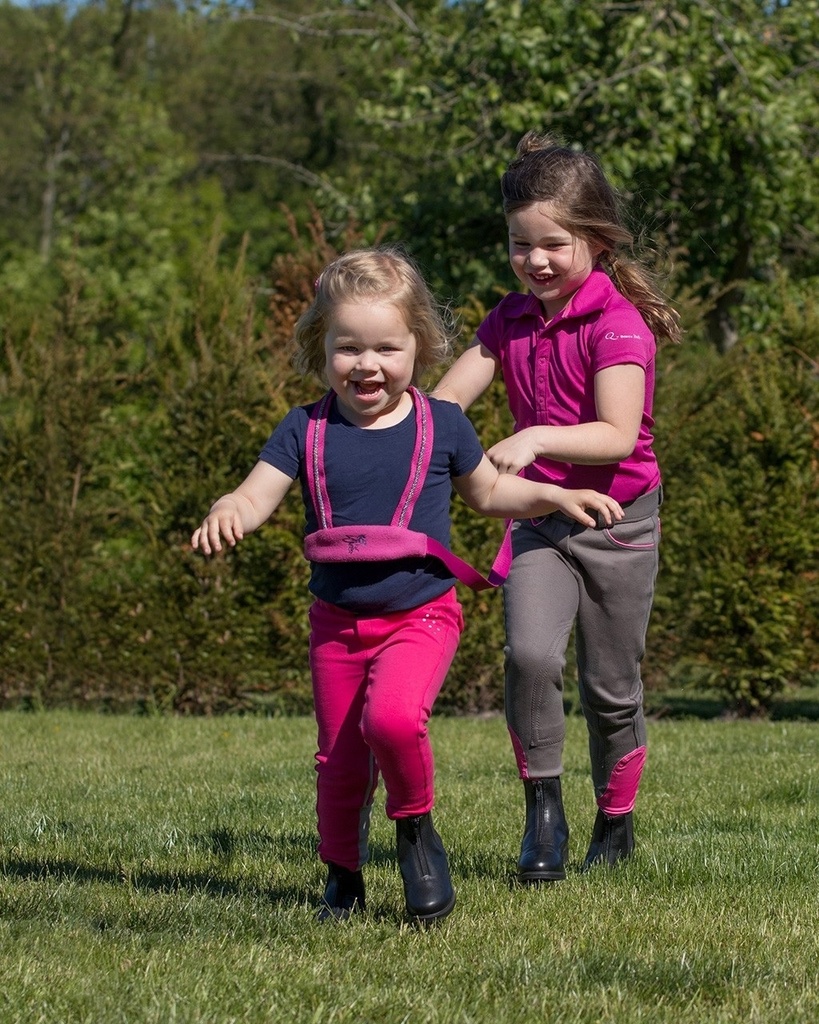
[[163, 870]]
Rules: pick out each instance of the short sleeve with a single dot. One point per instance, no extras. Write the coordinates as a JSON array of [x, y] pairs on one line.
[[489, 333], [621, 336], [466, 448], [284, 449], [494, 329]]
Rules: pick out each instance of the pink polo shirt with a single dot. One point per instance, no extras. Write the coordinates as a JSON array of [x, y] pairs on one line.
[[549, 369]]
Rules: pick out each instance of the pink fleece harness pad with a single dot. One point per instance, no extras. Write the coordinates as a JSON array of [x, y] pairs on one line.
[[385, 543]]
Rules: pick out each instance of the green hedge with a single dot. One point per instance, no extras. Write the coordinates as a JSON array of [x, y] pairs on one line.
[[736, 608], [114, 447]]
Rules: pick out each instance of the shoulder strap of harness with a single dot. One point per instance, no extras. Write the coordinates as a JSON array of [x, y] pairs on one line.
[[421, 457]]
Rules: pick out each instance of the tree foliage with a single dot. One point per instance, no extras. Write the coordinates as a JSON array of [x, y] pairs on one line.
[[704, 112]]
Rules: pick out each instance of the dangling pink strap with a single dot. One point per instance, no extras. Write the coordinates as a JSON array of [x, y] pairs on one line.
[[385, 543]]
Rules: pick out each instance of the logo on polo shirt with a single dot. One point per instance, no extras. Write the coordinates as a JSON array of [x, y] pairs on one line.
[[611, 336]]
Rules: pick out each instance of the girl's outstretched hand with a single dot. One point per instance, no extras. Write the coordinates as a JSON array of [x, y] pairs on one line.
[[223, 521], [575, 503], [239, 513]]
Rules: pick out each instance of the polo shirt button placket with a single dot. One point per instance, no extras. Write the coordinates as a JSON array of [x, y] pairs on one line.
[[542, 344]]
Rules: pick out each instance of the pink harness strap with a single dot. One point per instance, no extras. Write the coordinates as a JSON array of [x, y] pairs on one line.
[[385, 543]]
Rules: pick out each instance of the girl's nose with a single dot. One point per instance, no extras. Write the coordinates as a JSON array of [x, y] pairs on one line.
[[538, 259], [367, 362]]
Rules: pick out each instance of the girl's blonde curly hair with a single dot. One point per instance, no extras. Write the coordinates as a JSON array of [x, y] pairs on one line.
[[384, 274]]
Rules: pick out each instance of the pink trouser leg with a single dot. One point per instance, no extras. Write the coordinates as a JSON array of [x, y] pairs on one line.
[[347, 772], [375, 680]]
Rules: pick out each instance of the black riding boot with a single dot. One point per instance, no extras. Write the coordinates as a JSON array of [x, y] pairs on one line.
[[612, 840], [424, 869], [545, 844], [343, 894]]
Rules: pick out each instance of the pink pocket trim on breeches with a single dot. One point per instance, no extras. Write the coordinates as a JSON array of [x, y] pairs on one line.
[[631, 547], [620, 794]]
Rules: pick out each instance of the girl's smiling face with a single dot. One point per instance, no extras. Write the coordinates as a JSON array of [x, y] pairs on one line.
[[548, 259], [370, 360]]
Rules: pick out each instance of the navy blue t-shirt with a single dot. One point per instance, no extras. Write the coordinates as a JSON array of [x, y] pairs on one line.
[[367, 471]]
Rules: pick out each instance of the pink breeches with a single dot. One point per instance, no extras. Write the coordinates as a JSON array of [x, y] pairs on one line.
[[375, 680]]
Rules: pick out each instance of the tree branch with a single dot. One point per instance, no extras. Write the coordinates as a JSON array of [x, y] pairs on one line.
[[297, 170]]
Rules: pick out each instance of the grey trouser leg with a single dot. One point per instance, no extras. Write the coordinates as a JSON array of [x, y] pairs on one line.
[[603, 579]]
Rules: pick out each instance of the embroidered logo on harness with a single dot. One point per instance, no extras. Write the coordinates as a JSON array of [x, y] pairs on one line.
[[354, 542]]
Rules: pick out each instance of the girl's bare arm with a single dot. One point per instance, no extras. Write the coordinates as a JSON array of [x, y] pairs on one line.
[[619, 397], [503, 496], [468, 377], [242, 511]]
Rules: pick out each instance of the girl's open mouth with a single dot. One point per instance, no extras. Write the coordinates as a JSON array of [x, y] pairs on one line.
[[364, 387]]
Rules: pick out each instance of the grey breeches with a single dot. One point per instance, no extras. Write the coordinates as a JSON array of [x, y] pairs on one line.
[[602, 581]]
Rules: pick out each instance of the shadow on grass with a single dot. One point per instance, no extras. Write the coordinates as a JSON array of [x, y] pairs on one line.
[[195, 883], [73, 871], [224, 843], [796, 709]]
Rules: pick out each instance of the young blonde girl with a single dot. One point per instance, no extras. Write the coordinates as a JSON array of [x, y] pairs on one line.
[[376, 460], [577, 354]]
